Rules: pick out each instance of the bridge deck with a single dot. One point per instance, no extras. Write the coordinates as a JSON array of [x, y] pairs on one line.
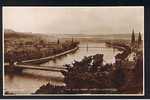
[[46, 68], [103, 47], [91, 47]]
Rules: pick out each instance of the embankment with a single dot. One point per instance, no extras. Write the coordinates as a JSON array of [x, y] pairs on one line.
[[45, 59]]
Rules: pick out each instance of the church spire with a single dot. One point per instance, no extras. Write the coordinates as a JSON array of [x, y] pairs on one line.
[[58, 42], [139, 39], [133, 37]]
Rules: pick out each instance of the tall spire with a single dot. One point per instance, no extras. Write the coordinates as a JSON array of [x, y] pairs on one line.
[[133, 37], [58, 42], [72, 39], [139, 39]]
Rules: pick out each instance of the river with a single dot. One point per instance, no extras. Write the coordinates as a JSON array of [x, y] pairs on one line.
[[30, 80]]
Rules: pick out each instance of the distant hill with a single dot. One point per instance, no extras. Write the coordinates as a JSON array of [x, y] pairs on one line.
[[81, 37], [99, 36], [11, 33]]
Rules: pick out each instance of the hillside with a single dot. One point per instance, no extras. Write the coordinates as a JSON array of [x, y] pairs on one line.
[[11, 33]]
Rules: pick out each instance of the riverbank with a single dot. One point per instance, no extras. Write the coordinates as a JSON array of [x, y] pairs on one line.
[[45, 59], [122, 46]]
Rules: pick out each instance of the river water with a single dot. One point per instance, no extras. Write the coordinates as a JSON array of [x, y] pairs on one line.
[[30, 80]]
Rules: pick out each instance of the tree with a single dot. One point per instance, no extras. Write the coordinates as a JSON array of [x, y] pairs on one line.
[[133, 38], [118, 77], [41, 42], [97, 61], [139, 67]]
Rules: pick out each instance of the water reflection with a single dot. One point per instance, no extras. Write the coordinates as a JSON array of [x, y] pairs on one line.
[[30, 80]]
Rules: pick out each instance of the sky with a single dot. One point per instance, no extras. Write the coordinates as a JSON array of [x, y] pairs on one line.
[[74, 20]]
